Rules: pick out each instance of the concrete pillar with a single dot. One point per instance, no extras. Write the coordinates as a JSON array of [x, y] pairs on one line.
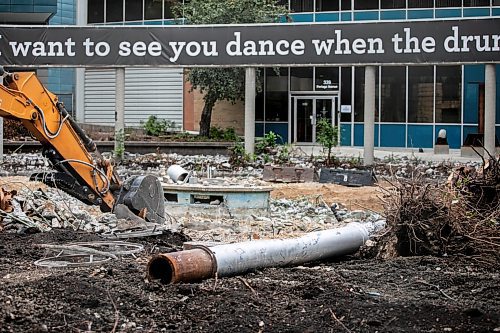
[[489, 109], [119, 111], [369, 110], [79, 107], [250, 110]]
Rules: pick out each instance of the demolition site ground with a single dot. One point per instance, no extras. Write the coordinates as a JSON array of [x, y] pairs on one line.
[[453, 285], [412, 294], [349, 294]]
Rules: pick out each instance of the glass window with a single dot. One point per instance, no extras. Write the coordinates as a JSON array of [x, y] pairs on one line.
[[259, 98], [152, 9], [302, 5], [282, 3], [392, 94], [276, 105], [327, 79], [476, 3], [359, 94], [420, 94], [95, 11], [346, 4], [345, 94], [448, 87], [392, 4], [420, 3], [365, 4], [448, 3], [168, 14], [496, 2], [301, 79], [133, 10], [114, 10], [327, 5]]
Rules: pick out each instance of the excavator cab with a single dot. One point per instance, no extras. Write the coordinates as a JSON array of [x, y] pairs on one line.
[[79, 169]]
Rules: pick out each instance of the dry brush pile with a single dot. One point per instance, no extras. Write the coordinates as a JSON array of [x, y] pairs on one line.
[[459, 217]]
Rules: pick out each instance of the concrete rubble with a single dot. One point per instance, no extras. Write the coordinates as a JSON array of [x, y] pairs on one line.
[[51, 208]]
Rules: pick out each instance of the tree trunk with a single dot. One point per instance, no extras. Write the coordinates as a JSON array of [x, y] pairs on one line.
[[206, 115]]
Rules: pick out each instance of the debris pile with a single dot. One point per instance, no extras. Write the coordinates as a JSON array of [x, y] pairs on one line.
[[461, 216], [45, 209]]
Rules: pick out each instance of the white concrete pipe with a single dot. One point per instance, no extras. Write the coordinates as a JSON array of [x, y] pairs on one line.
[[177, 173], [238, 258]]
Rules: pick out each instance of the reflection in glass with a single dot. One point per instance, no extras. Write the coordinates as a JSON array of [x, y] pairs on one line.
[[420, 94]]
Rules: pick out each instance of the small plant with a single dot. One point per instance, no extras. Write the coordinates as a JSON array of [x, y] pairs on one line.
[[119, 150], [219, 134], [238, 155], [326, 135], [284, 154], [156, 127], [268, 143]]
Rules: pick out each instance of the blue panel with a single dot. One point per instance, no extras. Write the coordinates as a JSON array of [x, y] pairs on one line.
[[4, 2], [45, 9], [327, 17], [134, 23], [497, 131], [169, 22], [345, 134], [470, 12], [21, 2], [358, 134], [259, 130], [453, 134], [152, 22], [278, 128], [469, 130], [4, 8], [392, 14], [420, 13], [21, 8], [392, 135], [365, 16], [45, 2], [420, 136], [345, 16], [473, 75], [495, 12], [471, 103], [308, 17], [442, 13]]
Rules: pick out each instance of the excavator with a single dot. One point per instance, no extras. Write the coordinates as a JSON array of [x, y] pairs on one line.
[[78, 167]]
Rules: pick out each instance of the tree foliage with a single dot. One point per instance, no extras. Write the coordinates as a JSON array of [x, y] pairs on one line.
[[224, 83]]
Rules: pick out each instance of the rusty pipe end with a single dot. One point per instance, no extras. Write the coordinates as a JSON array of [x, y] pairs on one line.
[[184, 266]]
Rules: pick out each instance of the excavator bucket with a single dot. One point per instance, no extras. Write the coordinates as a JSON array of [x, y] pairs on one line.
[[143, 195]]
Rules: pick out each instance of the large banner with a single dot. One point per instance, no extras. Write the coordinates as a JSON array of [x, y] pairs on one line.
[[450, 41]]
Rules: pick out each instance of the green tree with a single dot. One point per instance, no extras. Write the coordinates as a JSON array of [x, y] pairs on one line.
[[326, 135], [224, 83]]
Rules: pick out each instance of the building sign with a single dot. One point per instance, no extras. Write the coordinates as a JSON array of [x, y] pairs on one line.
[[326, 84], [450, 41], [345, 109]]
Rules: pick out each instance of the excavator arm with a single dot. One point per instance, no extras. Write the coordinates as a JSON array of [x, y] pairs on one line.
[[81, 171]]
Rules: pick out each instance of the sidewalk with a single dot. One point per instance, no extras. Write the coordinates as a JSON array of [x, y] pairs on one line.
[[388, 153]]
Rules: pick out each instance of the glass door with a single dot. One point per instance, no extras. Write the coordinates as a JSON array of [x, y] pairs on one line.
[[304, 114], [308, 111]]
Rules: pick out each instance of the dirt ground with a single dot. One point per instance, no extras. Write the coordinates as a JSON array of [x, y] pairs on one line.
[[420, 294], [353, 198], [415, 294]]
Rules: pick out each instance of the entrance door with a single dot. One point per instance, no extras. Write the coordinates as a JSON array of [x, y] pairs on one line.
[[308, 110]]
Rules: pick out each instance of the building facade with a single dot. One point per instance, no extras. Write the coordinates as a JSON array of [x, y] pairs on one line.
[[413, 102]]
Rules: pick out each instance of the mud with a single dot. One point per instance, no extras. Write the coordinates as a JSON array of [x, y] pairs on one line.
[[418, 294]]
